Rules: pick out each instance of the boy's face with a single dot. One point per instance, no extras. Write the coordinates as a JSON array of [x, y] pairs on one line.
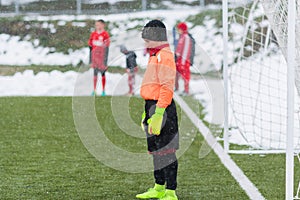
[[99, 26], [180, 31], [151, 44]]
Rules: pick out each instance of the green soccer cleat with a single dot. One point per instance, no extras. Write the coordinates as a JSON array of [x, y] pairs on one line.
[[169, 195], [93, 93], [153, 193], [103, 93]]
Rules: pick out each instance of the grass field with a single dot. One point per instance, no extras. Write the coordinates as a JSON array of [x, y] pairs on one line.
[[42, 157]]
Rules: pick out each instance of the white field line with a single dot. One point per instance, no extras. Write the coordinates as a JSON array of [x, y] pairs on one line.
[[235, 171]]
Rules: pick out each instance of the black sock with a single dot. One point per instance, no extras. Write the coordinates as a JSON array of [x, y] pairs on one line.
[[159, 173], [165, 170], [171, 172]]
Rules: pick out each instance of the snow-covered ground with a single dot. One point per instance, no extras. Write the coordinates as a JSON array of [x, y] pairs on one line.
[[208, 91], [16, 52], [58, 83], [73, 83], [258, 86], [123, 29]]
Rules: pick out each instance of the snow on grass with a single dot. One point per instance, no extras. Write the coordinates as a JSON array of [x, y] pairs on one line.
[[55, 83], [79, 24], [13, 51], [58, 83], [125, 29]]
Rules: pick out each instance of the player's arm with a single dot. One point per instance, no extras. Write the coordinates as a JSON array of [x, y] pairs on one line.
[[166, 76], [180, 47], [90, 43], [136, 66], [107, 39], [107, 43]]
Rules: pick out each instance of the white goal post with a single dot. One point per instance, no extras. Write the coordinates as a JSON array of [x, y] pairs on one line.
[[261, 71]]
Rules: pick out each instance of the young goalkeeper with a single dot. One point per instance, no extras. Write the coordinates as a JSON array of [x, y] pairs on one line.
[[159, 119]]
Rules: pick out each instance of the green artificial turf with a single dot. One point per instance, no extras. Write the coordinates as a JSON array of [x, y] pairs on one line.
[[267, 172], [42, 156]]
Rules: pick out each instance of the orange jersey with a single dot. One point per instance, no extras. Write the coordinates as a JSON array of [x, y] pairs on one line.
[[159, 79]]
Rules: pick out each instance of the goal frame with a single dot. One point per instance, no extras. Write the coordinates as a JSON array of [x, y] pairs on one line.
[[291, 63]]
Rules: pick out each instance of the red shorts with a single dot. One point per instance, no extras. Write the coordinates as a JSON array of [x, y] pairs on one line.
[[98, 58]]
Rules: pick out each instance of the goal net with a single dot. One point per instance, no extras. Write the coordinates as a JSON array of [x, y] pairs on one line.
[[258, 73]]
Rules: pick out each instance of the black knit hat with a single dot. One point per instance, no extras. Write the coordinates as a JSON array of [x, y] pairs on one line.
[[155, 30]]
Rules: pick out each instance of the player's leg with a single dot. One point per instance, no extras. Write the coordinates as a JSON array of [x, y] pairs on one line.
[[186, 86], [130, 82], [170, 172], [169, 142], [103, 59], [95, 80], [158, 190], [103, 83], [186, 78]]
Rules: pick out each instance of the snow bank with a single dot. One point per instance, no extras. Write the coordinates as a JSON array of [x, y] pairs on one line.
[[13, 51], [58, 83]]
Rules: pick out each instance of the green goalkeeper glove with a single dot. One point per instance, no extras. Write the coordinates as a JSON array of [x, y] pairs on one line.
[[142, 122], [155, 122]]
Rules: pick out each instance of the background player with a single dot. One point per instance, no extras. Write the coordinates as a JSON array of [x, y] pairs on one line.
[[131, 68], [99, 43]]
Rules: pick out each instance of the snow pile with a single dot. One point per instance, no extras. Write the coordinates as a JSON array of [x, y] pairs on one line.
[[13, 51], [73, 83], [58, 83]]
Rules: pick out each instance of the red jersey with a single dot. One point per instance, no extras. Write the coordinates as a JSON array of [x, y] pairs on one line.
[[99, 43], [99, 39]]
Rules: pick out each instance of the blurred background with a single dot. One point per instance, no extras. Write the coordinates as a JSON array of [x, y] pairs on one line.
[[93, 6]]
